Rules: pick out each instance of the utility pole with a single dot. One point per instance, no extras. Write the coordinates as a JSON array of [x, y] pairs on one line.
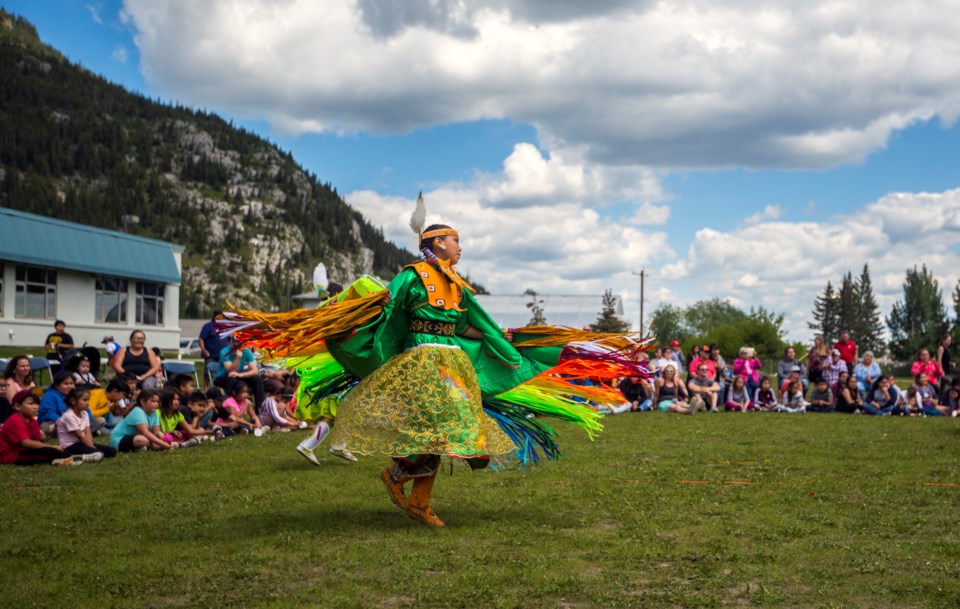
[[642, 273]]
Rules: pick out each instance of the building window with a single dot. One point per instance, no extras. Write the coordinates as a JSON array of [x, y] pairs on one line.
[[36, 291], [149, 303], [111, 300]]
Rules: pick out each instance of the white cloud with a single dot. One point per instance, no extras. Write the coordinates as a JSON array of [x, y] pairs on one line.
[[676, 83], [557, 241], [783, 265], [770, 212], [94, 11], [119, 53]]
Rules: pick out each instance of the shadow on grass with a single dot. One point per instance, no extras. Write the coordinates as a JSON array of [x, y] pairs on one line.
[[362, 521]]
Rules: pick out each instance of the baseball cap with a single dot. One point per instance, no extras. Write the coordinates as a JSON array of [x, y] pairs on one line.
[[795, 369], [106, 339], [674, 343], [836, 351]]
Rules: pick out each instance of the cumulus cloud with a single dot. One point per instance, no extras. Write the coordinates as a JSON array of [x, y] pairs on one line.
[[628, 83], [783, 265], [770, 212], [553, 245]]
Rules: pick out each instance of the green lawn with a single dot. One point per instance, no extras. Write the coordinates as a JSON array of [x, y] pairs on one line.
[[740, 510]]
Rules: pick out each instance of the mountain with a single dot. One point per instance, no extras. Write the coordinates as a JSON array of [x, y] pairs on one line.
[[77, 147]]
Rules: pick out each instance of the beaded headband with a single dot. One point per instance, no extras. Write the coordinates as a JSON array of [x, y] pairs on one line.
[[440, 232]]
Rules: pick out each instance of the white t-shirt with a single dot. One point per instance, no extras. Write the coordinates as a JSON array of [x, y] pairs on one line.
[[68, 423]]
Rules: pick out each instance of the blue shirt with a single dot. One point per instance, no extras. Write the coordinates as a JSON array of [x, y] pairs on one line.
[[246, 358], [213, 342], [862, 372], [128, 425], [52, 406]]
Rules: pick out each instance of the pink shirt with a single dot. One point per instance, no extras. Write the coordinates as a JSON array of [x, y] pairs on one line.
[[68, 423], [234, 407]]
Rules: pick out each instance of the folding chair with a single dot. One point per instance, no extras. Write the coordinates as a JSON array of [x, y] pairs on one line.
[[37, 366], [211, 370], [175, 367]]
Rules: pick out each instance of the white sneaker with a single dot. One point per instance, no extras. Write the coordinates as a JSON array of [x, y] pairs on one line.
[[174, 445], [258, 432], [302, 425], [343, 453], [308, 454], [68, 462], [96, 457], [190, 442]]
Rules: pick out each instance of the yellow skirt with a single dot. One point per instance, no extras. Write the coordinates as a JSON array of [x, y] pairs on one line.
[[425, 400]]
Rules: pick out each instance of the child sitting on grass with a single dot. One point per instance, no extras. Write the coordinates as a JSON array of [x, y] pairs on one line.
[[201, 414], [73, 428], [950, 402], [173, 425], [21, 441], [821, 398], [739, 399], [237, 407], [273, 410], [793, 401], [765, 399], [140, 430]]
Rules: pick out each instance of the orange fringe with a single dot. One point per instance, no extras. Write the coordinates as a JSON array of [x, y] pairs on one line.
[[303, 331], [559, 336]]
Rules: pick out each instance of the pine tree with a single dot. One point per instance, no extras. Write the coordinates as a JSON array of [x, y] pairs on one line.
[[825, 314], [920, 319], [869, 325], [608, 321], [956, 312], [848, 307], [536, 309]]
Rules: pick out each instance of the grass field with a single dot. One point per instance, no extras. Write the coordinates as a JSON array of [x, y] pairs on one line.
[[738, 510]]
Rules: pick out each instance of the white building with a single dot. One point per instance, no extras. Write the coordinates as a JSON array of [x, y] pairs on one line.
[[99, 282]]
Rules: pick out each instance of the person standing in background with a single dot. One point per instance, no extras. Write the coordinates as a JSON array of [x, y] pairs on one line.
[[58, 342]]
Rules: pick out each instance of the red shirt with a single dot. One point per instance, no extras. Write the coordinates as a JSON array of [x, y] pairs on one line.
[[13, 432], [848, 351], [709, 363]]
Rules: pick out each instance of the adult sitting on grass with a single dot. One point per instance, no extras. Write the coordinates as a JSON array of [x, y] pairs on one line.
[[21, 441], [704, 392], [18, 376], [788, 363], [138, 360], [882, 401], [749, 366], [867, 372], [833, 367], [669, 393], [927, 366], [140, 430], [73, 428]]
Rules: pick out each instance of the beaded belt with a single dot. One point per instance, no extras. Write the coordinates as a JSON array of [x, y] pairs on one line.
[[437, 328]]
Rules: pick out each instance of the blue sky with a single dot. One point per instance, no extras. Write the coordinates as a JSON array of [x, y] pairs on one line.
[[742, 155]]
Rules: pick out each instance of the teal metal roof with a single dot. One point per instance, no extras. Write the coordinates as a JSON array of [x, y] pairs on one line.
[[42, 241]]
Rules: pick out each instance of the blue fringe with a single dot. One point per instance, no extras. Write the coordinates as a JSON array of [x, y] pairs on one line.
[[531, 435]]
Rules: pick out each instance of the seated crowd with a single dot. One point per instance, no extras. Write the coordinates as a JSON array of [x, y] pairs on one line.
[[138, 409], [829, 381]]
